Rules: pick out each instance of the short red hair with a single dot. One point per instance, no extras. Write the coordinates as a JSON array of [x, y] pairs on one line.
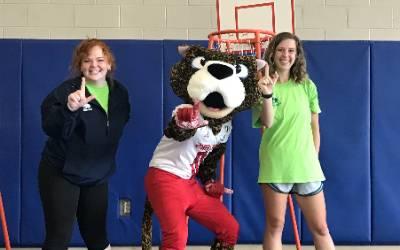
[[82, 50]]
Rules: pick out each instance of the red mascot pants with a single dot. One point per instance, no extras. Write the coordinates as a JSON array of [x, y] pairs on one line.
[[174, 198]]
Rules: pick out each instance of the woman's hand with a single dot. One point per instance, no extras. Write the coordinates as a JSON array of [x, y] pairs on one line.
[[78, 98], [266, 82], [266, 85]]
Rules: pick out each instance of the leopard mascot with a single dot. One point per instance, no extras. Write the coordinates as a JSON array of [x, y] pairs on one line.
[[214, 87]]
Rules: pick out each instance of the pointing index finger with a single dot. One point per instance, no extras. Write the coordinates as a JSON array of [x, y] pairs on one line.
[[83, 84], [266, 70]]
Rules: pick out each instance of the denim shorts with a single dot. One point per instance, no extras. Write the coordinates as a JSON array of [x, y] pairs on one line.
[[302, 189]]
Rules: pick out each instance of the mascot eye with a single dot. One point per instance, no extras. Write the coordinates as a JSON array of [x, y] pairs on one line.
[[241, 71], [198, 62]]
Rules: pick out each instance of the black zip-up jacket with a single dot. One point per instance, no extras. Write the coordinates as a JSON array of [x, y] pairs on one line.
[[83, 144]]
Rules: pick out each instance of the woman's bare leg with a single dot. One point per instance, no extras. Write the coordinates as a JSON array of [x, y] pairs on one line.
[[314, 211], [275, 209]]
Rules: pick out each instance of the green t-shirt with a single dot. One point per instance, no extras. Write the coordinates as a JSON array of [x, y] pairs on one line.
[[287, 152], [101, 94]]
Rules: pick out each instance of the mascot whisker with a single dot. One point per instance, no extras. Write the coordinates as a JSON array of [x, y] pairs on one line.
[[180, 182]]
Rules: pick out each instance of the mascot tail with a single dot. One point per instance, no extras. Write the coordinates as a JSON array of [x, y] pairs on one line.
[[147, 226]]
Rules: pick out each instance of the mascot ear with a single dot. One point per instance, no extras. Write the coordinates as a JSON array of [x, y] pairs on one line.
[[260, 64], [182, 49]]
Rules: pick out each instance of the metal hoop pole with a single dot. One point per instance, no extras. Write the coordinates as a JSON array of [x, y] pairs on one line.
[[294, 222], [4, 225], [221, 173]]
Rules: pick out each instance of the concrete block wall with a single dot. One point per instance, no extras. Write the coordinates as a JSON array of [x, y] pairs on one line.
[[348, 19], [107, 19], [187, 19]]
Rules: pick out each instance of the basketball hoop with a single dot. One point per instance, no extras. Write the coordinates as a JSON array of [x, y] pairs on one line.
[[240, 41]]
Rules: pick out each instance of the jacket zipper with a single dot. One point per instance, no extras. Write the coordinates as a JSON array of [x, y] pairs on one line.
[[107, 117], [106, 114]]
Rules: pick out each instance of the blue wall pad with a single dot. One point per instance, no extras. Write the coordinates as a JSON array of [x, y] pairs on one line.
[[385, 139], [358, 90], [341, 71], [10, 135], [45, 64], [139, 67]]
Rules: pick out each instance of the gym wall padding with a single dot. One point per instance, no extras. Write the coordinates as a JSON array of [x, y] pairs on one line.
[[10, 135], [358, 88], [142, 74], [341, 71], [385, 138], [44, 64]]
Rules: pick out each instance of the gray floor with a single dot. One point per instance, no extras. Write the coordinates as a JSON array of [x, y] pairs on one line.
[[248, 247], [290, 247]]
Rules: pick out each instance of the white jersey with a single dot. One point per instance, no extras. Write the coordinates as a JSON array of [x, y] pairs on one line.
[[184, 158]]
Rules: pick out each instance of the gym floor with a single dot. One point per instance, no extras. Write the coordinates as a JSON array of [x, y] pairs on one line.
[[292, 247], [247, 247]]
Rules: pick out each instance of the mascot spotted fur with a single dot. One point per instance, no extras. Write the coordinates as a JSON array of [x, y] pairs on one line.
[[214, 86]]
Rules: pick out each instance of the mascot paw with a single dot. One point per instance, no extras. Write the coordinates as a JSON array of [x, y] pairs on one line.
[[188, 116], [216, 189]]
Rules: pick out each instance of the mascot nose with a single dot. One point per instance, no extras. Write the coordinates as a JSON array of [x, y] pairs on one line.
[[219, 71]]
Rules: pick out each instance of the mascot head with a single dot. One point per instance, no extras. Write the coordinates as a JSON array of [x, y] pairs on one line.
[[224, 84]]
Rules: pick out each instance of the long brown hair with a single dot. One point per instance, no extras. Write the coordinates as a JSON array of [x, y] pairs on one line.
[[298, 71], [82, 50]]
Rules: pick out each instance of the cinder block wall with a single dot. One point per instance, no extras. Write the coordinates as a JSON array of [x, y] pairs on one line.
[[348, 19], [187, 19]]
